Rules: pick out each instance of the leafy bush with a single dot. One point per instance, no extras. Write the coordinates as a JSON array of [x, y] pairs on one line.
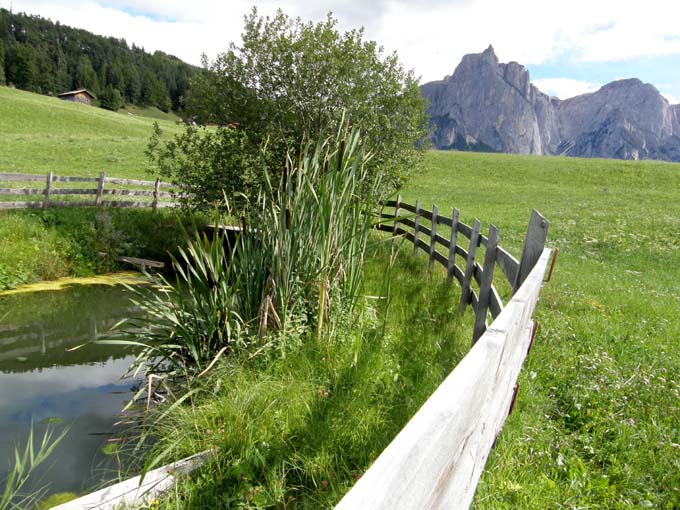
[[288, 83]]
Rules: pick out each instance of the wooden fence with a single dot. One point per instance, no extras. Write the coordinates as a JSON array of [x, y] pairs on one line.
[[104, 195], [435, 462]]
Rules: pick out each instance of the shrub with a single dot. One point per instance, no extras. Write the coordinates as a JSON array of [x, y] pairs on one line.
[[288, 83]]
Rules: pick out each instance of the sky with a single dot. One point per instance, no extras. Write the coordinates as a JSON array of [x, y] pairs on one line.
[[569, 47]]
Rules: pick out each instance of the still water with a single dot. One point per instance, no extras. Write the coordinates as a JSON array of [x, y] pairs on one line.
[[41, 381]]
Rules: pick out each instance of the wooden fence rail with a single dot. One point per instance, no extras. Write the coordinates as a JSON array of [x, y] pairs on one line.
[[435, 462], [487, 300], [104, 188]]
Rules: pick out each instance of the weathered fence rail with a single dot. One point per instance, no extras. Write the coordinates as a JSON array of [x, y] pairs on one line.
[[100, 195], [436, 461]]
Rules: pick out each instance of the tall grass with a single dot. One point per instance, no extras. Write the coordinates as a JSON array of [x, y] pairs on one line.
[[296, 260], [26, 462]]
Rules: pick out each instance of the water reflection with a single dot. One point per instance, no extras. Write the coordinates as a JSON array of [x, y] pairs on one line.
[[40, 379]]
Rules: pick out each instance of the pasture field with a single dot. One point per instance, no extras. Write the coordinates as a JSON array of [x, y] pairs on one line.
[[597, 419], [39, 134]]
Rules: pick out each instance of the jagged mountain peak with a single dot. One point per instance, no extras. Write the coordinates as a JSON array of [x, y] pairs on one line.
[[492, 106]]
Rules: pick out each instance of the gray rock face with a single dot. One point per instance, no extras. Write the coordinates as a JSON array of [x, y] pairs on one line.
[[489, 106]]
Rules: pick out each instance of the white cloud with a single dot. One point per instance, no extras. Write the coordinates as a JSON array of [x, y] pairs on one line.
[[565, 88], [670, 98], [430, 36]]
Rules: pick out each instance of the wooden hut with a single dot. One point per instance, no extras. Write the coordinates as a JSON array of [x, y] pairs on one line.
[[82, 96]]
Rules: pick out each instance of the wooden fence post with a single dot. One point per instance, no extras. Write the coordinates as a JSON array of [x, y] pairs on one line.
[[470, 266], [417, 228], [48, 189], [156, 189], [100, 190], [433, 237], [396, 216], [485, 284], [534, 242], [452, 245]]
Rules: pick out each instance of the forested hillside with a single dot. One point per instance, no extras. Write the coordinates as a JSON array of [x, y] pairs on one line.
[[42, 56]]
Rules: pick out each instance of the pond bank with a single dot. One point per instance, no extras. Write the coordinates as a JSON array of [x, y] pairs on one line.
[[40, 245]]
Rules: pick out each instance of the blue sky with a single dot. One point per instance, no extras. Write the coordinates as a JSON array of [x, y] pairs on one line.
[[569, 47]]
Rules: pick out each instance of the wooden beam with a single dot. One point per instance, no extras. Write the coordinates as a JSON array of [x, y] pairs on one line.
[[534, 243], [485, 285], [452, 245], [433, 237], [100, 189], [469, 267], [416, 228], [48, 188]]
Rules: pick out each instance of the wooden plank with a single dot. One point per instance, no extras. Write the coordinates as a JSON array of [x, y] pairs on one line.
[[129, 182], [64, 178], [137, 491], [433, 235], [426, 231], [443, 220], [120, 203], [416, 228], [495, 303], [466, 230], [48, 188], [436, 460], [73, 191], [508, 264], [392, 203], [534, 243], [100, 189], [74, 203], [470, 266], [423, 245], [130, 192], [441, 259], [21, 177], [408, 223], [424, 213], [409, 207], [397, 210], [20, 205], [22, 191], [156, 189], [451, 262], [485, 285], [144, 263]]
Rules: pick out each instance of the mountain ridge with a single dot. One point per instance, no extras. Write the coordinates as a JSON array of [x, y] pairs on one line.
[[490, 106]]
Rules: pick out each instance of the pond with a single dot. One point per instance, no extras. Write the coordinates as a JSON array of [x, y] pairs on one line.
[[42, 382]]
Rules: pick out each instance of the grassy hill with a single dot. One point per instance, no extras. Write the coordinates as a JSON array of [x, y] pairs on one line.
[[39, 134], [597, 421]]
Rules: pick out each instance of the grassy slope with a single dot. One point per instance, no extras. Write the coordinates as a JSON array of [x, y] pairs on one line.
[[39, 134], [597, 422]]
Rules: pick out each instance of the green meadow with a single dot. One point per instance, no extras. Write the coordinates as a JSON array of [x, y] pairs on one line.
[[39, 134], [597, 420]]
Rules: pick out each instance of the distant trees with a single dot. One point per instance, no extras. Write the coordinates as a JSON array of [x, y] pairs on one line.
[[49, 58], [291, 82]]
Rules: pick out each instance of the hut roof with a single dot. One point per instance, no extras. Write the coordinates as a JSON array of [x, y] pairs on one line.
[[74, 92]]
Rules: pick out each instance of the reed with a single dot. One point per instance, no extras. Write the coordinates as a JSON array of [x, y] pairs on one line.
[[294, 267]]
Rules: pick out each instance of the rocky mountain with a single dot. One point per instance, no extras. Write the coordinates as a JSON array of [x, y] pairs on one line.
[[489, 106]]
